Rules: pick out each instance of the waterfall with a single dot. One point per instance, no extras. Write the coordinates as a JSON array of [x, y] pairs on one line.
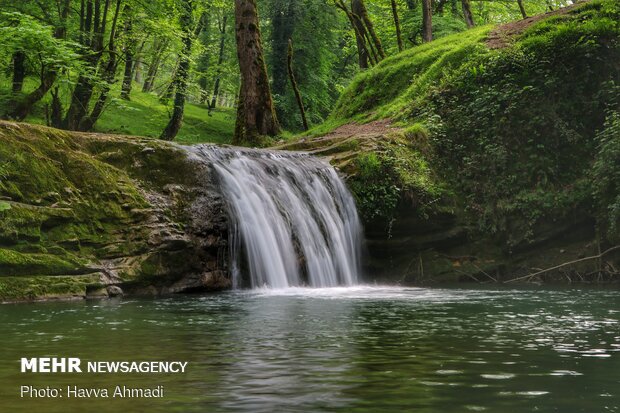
[[291, 217]]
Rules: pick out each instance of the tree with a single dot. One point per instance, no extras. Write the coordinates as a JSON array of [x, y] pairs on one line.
[[159, 48], [360, 12], [399, 38], [49, 65], [186, 21], [467, 14], [291, 75], [427, 21], [522, 8], [93, 23], [129, 50], [256, 115], [19, 71], [284, 19], [108, 70], [220, 61]]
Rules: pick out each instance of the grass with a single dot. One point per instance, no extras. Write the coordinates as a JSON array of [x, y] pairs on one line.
[[388, 89], [144, 115]]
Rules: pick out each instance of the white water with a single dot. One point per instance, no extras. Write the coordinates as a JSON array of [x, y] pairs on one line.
[[291, 215]]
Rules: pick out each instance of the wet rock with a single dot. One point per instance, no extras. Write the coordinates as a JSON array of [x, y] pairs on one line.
[[114, 291]]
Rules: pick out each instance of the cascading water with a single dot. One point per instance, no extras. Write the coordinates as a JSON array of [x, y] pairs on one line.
[[292, 216]]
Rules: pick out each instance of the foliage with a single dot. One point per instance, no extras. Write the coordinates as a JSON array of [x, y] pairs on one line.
[[515, 133], [606, 175], [20, 32], [510, 132], [395, 174]]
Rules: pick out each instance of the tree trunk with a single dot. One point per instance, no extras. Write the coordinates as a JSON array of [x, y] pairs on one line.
[[427, 21], [362, 51], [399, 38], [159, 46], [522, 8], [359, 8], [182, 73], [291, 75], [129, 53], [255, 113], [108, 73], [360, 39], [220, 60], [56, 115], [169, 91], [84, 88], [467, 14], [283, 21], [19, 71]]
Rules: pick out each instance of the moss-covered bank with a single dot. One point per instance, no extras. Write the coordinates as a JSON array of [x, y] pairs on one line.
[[82, 212], [500, 152]]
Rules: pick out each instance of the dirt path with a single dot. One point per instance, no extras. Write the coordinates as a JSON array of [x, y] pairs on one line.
[[502, 36]]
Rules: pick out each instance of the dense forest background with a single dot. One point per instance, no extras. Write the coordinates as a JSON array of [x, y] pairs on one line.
[[150, 68]]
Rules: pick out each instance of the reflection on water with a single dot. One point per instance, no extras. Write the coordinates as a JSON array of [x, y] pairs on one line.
[[361, 349]]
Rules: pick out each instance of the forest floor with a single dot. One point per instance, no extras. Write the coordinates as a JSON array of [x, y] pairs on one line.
[[145, 115]]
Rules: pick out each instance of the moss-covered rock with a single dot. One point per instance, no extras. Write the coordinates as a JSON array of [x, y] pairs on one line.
[[114, 207]]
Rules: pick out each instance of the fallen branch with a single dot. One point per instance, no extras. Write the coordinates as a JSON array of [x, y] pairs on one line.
[[593, 257]]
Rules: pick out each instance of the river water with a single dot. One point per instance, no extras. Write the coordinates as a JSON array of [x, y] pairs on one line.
[[359, 349]]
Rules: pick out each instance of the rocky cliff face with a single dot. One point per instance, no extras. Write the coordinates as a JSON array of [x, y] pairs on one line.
[[89, 215]]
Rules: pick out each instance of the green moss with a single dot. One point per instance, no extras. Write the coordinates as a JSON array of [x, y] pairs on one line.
[[394, 173], [17, 263], [388, 89], [41, 287], [66, 195]]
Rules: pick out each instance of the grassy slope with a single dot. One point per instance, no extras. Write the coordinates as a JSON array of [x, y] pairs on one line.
[[144, 115], [512, 132]]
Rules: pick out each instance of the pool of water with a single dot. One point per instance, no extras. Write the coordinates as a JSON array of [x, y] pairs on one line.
[[362, 349]]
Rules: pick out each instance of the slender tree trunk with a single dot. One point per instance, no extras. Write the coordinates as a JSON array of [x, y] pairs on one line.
[[467, 14], [427, 21], [19, 71], [360, 39], [182, 74], [255, 113], [169, 91], [108, 73], [159, 46], [362, 51], [203, 64], [291, 75], [522, 8], [399, 37], [283, 21], [220, 60], [84, 88], [129, 53], [56, 115], [359, 8]]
